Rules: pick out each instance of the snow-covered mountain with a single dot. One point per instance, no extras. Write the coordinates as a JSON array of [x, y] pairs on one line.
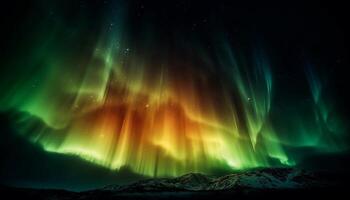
[[272, 178]]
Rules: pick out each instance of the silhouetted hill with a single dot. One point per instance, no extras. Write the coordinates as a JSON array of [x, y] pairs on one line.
[[271, 182]]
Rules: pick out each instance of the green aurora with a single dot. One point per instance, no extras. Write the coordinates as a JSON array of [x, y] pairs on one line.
[[162, 109]]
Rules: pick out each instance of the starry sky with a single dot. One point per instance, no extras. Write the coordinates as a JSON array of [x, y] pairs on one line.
[[128, 89]]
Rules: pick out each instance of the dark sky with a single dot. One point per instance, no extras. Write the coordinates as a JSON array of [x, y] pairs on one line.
[[293, 33]]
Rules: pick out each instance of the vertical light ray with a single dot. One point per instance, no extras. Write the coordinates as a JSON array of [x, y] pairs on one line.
[[161, 111]]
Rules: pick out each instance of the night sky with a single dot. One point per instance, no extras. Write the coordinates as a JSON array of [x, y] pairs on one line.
[[102, 92]]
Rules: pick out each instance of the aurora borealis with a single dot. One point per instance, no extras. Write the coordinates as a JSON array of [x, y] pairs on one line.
[[119, 93]]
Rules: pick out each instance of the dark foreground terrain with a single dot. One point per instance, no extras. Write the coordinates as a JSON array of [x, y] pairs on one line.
[[283, 183]]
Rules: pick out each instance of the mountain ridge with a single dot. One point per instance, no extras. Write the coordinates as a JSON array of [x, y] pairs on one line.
[[273, 183], [266, 178]]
